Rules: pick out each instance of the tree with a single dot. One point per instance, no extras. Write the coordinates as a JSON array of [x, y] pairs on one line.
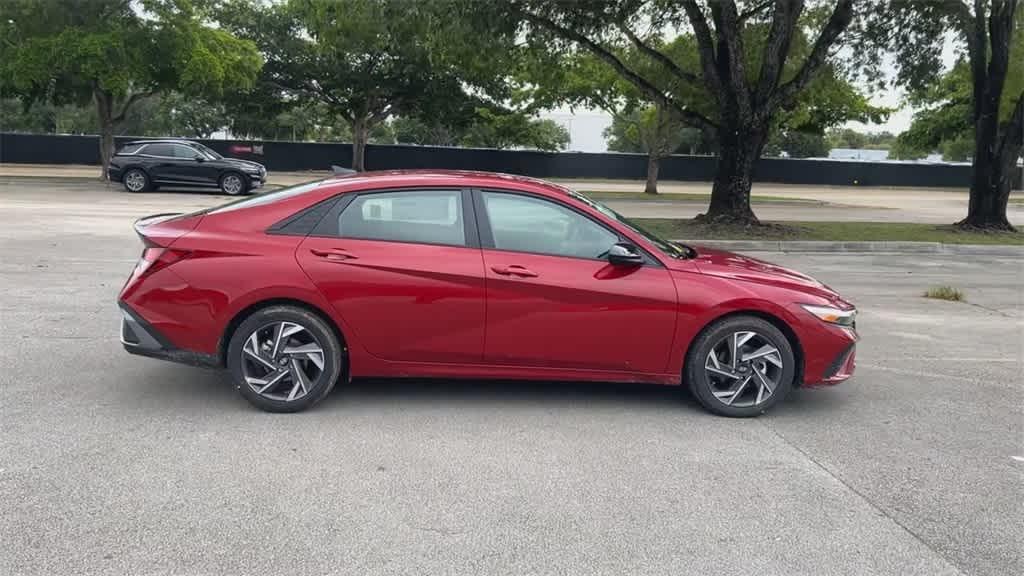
[[489, 128], [991, 31], [364, 60], [116, 53], [652, 130], [747, 88]]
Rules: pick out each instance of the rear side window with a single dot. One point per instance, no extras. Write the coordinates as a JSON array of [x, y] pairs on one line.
[[421, 216], [130, 148]]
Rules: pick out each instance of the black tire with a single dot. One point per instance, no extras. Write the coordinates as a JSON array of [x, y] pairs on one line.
[[134, 175], [227, 180], [700, 383], [333, 356]]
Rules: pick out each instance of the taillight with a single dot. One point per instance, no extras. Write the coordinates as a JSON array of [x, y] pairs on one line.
[[156, 257]]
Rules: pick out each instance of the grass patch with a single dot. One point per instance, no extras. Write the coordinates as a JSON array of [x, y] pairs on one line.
[[692, 197], [945, 293], [829, 231]]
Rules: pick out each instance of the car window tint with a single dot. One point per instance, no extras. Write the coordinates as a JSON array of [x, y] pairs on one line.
[[526, 224], [130, 148], [185, 152], [159, 150], [422, 216]]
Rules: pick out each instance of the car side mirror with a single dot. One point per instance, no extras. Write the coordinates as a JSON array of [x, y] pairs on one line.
[[200, 159], [624, 254]]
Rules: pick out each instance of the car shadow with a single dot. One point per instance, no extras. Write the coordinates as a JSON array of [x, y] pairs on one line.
[[507, 392], [208, 388]]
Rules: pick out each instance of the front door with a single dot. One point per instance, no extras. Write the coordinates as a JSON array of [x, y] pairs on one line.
[[405, 273], [553, 300]]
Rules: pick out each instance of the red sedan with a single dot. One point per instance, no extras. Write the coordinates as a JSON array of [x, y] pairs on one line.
[[470, 275]]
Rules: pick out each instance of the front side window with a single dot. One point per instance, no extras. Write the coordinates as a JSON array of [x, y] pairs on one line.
[[164, 150], [420, 216], [184, 152], [526, 224]]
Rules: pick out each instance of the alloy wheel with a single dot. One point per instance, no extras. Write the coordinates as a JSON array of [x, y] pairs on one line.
[[135, 181], [743, 369], [282, 361], [232, 184]]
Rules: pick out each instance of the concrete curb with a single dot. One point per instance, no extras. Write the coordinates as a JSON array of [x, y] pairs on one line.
[[860, 247]]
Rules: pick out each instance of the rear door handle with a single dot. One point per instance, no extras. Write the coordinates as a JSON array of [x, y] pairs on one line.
[[514, 270], [334, 254]]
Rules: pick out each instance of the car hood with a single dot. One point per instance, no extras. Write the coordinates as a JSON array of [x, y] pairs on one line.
[[725, 264], [243, 164]]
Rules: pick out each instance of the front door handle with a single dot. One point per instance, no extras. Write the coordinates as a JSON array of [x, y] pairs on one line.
[[514, 270], [333, 254]]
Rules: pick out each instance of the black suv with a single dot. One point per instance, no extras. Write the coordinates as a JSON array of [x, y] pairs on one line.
[[147, 164]]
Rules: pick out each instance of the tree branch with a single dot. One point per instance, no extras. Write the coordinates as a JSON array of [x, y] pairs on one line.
[[755, 10], [645, 86], [730, 52], [705, 46], [776, 48], [128, 104], [660, 57], [837, 22]]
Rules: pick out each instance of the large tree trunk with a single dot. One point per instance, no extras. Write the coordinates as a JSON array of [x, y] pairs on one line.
[[653, 161], [993, 176], [105, 115], [991, 171], [730, 194], [360, 134]]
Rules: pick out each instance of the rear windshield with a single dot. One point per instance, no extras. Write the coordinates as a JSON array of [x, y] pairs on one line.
[[264, 198]]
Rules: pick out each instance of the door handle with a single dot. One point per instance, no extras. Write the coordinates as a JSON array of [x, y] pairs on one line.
[[335, 254], [514, 270]]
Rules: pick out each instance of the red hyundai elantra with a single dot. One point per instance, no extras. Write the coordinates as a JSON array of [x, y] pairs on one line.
[[470, 275]]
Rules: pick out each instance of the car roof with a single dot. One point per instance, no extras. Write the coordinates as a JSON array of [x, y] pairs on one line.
[[425, 177], [162, 141]]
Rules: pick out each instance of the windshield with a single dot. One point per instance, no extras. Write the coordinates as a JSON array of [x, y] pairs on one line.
[[210, 153], [668, 247]]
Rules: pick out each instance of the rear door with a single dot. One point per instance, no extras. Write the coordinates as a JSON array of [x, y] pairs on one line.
[[553, 300], [159, 161], [403, 269]]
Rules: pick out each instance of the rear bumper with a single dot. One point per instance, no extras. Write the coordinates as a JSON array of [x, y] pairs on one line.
[[142, 339]]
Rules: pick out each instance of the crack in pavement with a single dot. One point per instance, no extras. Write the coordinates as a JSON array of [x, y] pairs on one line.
[[821, 466]]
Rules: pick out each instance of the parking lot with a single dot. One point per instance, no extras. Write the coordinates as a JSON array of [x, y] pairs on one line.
[[115, 464]]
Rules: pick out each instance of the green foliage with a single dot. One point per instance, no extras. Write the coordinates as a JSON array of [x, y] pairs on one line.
[[489, 127], [945, 293], [647, 131], [797, 144]]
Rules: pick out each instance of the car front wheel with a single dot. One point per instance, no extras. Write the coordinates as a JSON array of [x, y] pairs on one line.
[[284, 359], [233, 184], [740, 366]]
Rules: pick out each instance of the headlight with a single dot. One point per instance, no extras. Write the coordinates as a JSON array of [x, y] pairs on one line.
[[833, 315]]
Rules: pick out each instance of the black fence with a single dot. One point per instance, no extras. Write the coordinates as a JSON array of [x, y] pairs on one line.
[[289, 156]]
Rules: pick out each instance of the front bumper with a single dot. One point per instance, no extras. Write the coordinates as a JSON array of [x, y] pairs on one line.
[[141, 338]]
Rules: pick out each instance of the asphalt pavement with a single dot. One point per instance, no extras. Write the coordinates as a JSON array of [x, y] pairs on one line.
[[115, 464]]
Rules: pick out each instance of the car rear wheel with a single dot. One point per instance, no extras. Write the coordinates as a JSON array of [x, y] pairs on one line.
[[233, 184], [136, 180], [284, 359], [740, 366]]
